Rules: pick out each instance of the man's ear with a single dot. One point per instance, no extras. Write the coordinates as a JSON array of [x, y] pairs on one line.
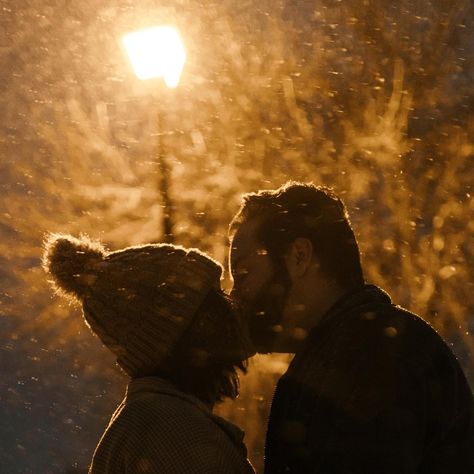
[[299, 257]]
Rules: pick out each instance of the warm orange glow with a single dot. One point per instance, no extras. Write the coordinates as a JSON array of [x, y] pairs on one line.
[[156, 52]]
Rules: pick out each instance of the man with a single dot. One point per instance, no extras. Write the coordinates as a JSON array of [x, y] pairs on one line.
[[372, 389]]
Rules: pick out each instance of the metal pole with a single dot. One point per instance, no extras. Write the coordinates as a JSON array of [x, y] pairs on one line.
[[163, 184]]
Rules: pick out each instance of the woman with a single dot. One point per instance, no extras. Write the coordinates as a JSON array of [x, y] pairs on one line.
[[160, 310]]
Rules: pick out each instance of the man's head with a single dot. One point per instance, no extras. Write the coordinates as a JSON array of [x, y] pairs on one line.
[[292, 252]]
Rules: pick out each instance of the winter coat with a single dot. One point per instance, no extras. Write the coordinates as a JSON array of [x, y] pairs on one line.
[[374, 390], [158, 429]]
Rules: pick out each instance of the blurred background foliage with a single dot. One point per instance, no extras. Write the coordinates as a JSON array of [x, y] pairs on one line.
[[372, 98]]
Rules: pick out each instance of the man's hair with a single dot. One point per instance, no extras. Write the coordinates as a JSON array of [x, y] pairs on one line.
[[206, 359], [304, 210]]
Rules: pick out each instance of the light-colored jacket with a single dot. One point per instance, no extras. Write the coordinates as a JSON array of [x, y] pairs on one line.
[[159, 429]]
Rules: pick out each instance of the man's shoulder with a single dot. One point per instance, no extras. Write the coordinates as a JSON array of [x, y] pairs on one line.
[[389, 322], [374, 330]]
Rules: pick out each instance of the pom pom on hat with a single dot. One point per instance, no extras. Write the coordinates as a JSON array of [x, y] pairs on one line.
[[72, 263]]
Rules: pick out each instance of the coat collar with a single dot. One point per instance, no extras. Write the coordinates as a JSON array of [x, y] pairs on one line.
[[367, 294], [157, 385]]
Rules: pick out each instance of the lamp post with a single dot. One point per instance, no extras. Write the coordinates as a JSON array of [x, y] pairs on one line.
[[158, 52]]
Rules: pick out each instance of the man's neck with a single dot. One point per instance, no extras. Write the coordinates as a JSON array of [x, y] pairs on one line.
[[303, 312], [317, 302]]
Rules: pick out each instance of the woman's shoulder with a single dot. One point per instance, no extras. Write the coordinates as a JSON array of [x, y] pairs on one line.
[[154, 405], [172, 430]]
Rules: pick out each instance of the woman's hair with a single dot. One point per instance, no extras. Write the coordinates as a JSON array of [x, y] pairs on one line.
[[206, 359]]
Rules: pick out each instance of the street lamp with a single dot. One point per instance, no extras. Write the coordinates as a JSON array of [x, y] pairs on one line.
[[158, 52]]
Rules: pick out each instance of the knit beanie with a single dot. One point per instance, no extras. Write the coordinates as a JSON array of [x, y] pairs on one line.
[[138, 300]]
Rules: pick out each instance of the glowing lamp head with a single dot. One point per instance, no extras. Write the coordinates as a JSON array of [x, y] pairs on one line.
[[156, 52]]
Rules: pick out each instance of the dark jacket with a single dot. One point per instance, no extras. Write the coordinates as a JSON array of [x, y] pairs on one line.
[[159, 429], [374, 390]]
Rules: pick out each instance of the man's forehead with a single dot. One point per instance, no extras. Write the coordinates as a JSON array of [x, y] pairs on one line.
[[244, 239]]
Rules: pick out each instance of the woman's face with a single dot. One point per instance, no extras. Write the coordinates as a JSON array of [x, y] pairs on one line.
[[220, 331]]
